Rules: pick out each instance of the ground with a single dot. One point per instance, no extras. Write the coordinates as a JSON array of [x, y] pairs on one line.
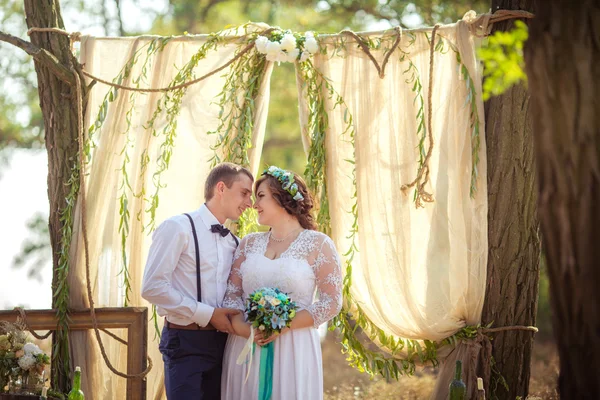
[[342, 382]]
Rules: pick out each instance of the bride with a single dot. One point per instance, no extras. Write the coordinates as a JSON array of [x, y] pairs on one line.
[[299, 261]]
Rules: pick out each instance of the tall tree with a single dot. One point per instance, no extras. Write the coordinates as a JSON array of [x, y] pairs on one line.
[[562, 58], [56, 86], [514, 247]]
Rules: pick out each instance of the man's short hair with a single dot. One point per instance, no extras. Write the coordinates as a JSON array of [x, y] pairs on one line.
[[225, 172]]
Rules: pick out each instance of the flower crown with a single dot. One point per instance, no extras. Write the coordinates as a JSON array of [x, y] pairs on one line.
[[286, 178]]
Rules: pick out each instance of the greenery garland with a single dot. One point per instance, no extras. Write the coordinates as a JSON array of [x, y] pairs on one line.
[[314, 86], [61, 346], [156, 45], [443, 46], [318, 91]]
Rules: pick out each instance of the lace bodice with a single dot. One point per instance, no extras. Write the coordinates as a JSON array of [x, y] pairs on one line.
[[309, 271]]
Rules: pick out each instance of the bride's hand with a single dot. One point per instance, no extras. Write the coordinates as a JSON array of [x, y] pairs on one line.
[[260, 340]]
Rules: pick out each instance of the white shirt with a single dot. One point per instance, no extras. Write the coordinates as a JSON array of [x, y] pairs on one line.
[[170, 275]]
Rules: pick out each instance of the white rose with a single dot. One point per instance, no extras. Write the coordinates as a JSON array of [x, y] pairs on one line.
[[304, 56], [311, 45], [273, 48], [309, 34], [282, 56], [273, 57], [288, 43], [261, 44], [292, 55], [32, 348], [275, 301], [26, 362]]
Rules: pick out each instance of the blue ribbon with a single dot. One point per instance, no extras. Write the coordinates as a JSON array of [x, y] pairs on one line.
[[265, 377]]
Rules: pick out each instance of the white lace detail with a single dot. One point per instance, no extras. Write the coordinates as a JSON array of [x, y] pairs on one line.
[[233, 297], [321, 309], [238, 253], [334, 280], [309, 266]]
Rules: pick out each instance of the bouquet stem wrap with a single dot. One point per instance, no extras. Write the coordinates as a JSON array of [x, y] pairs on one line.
[[265, 383]]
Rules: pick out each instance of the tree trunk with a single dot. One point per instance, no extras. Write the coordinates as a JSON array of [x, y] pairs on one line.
[[563, 58], [514, 247], [58, 104]]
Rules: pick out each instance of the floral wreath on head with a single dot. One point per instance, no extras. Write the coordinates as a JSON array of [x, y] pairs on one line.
[[286, 178]]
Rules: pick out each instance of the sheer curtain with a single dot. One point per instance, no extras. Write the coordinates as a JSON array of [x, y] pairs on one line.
[[184, 180], [420, 272]]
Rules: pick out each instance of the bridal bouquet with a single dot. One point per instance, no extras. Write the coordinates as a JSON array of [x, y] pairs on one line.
[[270, 310]]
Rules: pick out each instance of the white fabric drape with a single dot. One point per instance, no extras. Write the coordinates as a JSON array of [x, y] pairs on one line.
[[419, 273], [184, 180]]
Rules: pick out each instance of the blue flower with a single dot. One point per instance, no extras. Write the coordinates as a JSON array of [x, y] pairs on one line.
[[277, 322]]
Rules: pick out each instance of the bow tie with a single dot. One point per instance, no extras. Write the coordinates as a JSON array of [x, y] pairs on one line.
[[218, 228]]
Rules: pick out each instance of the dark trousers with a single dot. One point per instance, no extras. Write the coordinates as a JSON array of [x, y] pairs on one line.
[[193, 363]]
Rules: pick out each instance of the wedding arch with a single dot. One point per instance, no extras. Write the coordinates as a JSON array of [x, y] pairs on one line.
[[392, 126]]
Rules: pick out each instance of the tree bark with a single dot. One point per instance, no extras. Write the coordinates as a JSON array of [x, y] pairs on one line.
[[563, 59], [58, 104], [514, 247]]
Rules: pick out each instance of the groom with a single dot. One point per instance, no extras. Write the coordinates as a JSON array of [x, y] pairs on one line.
[[186, 276]]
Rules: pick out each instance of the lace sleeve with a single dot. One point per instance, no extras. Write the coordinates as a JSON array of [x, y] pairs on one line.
[[328, 272], [234, 292]]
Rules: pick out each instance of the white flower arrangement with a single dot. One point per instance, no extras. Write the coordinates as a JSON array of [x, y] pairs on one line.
[[32, 349], [27, 362], [285, 46], [19, 359]]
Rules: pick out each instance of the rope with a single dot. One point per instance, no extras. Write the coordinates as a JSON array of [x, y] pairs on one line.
[[423, 172], [367, 51], [485, 357], [73, 36], [112, 335], [24, 318], [484, 22], [78, 90], [510, 328], [77, 35]]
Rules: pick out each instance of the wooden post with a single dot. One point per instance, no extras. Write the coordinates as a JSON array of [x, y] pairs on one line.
[[134, 319]]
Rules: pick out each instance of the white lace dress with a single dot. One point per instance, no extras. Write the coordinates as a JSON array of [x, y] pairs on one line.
[[310, 272]]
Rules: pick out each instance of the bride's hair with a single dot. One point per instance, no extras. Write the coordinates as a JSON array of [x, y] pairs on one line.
[[299, 209]]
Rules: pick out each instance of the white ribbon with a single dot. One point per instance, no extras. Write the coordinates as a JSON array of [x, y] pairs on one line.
[[247, 353]]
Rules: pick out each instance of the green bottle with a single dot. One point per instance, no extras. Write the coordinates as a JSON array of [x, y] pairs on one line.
[[76, 393], [458, 389]]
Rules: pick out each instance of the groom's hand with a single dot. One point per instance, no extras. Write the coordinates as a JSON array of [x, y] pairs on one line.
[[221, 319]]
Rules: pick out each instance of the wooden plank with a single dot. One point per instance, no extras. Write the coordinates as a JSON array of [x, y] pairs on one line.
[[108, 318], [137, 352]]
